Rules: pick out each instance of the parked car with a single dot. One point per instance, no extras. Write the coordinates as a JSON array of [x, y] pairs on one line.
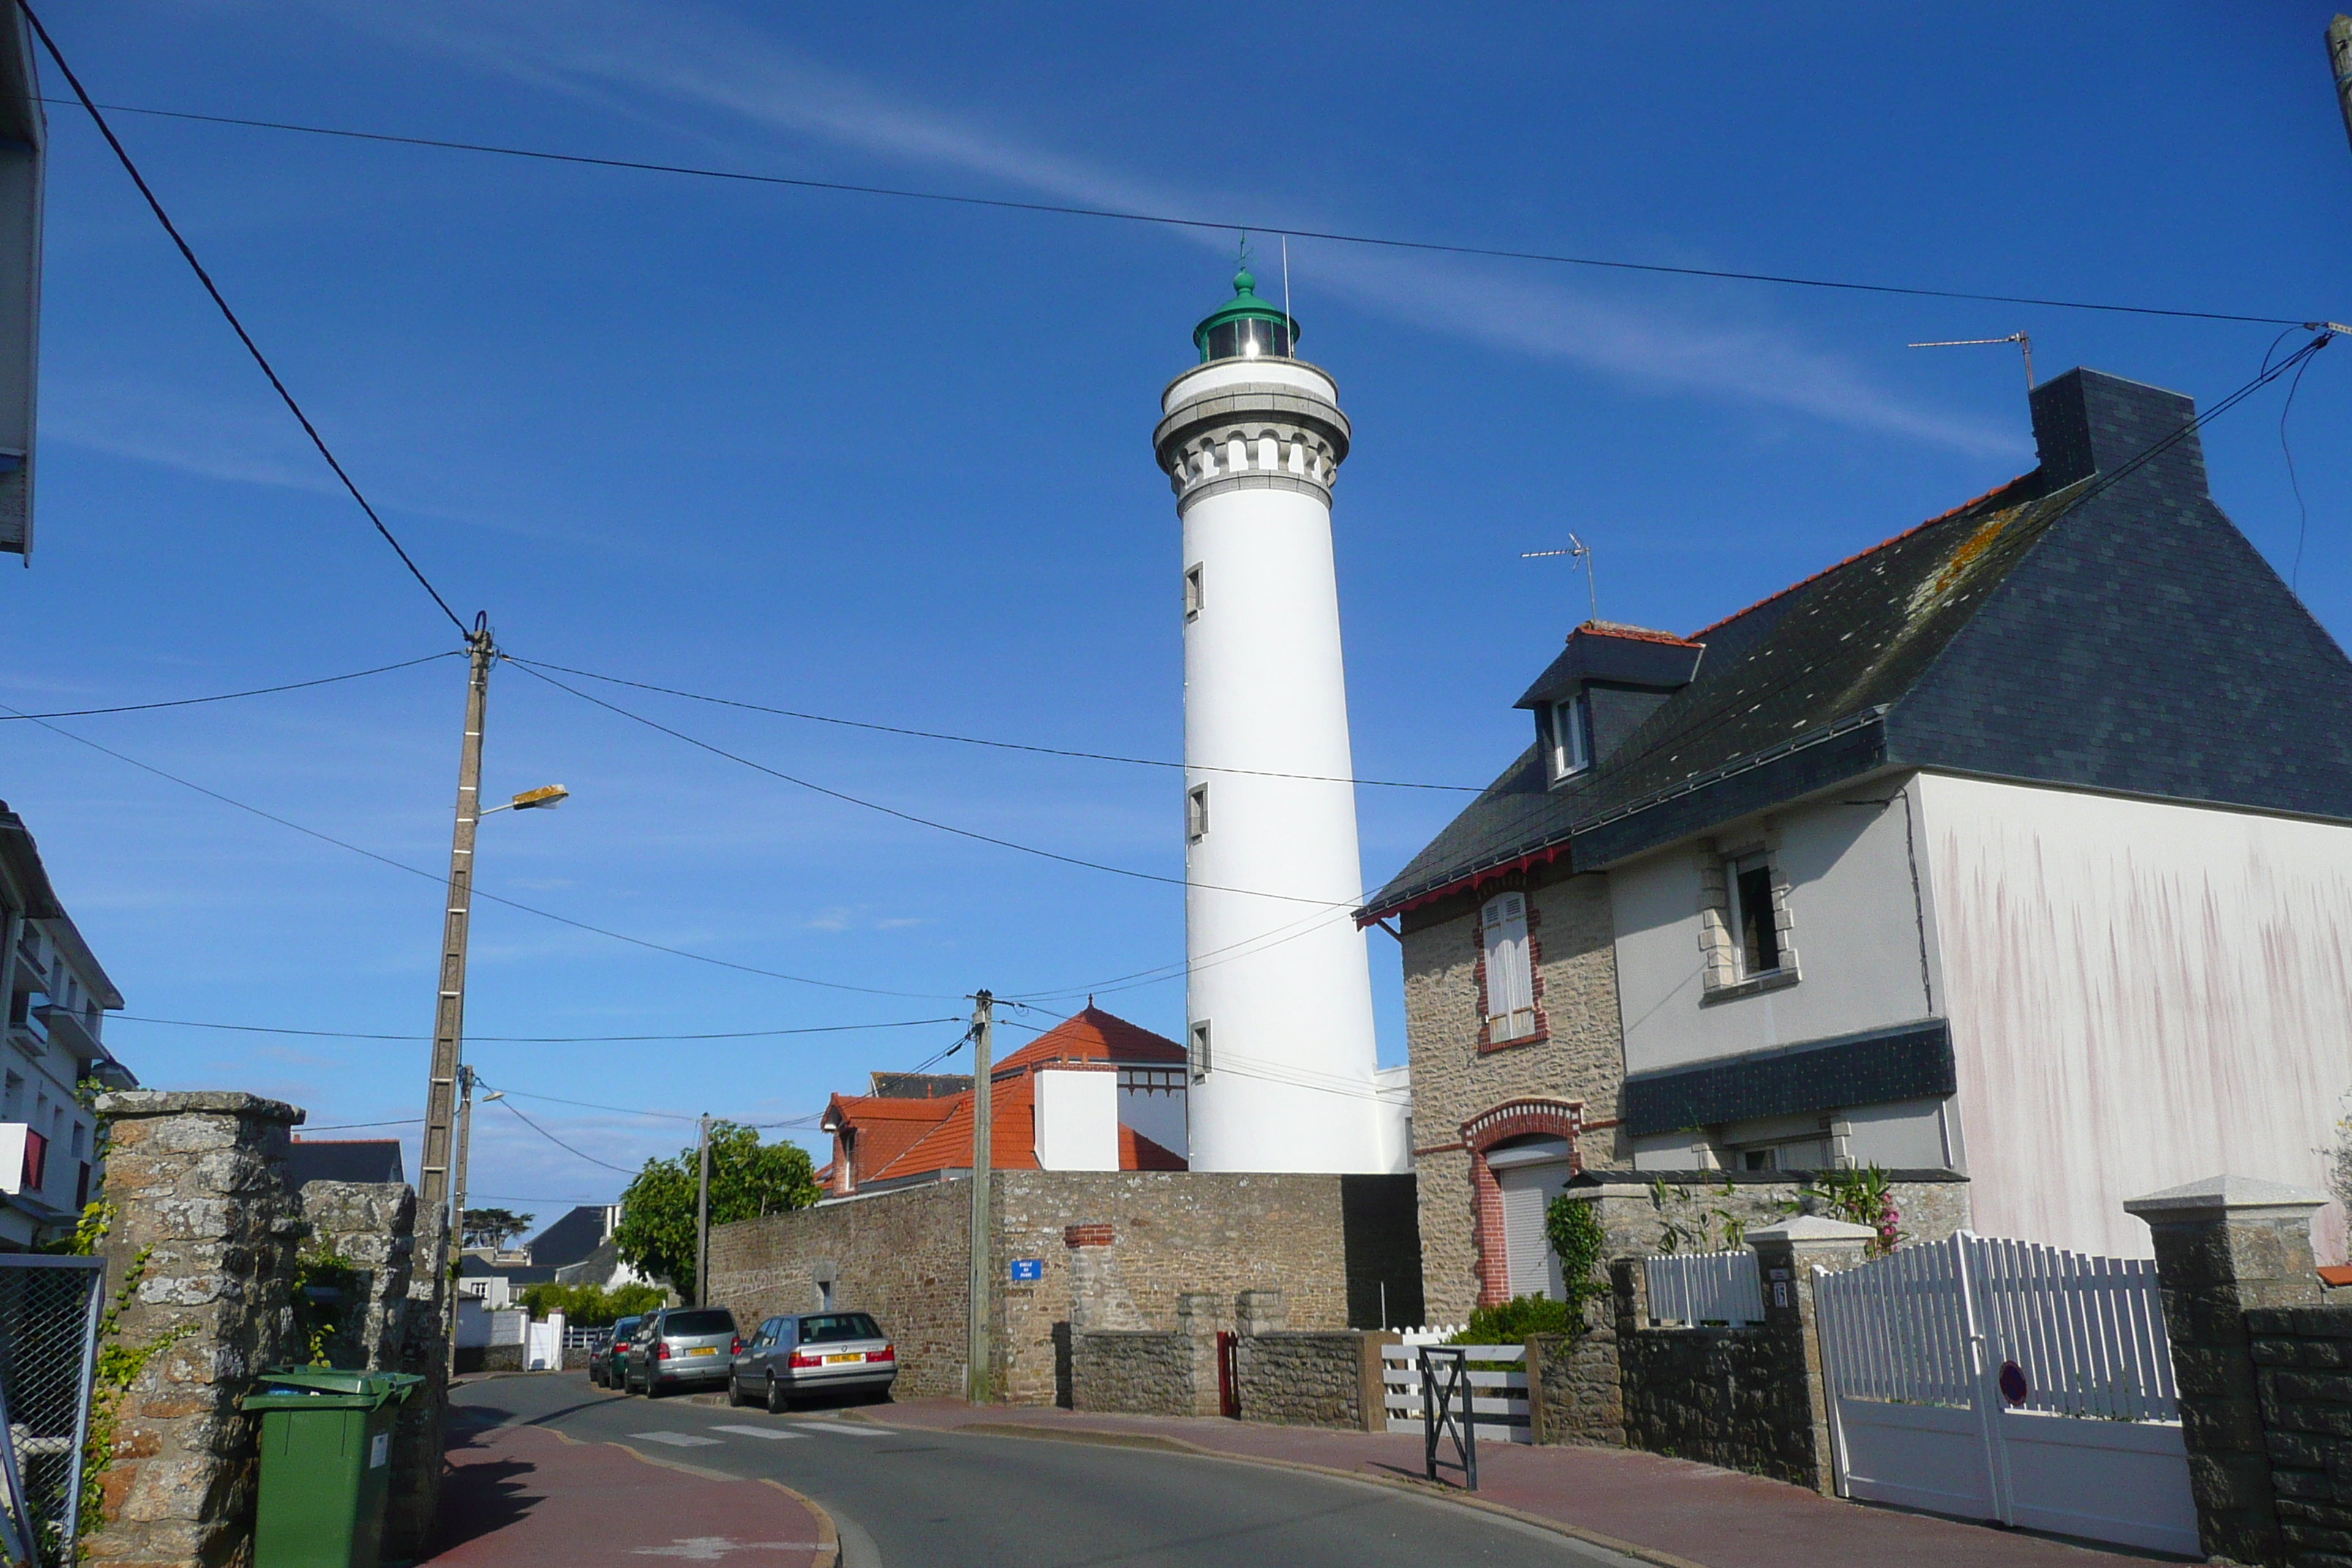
[[610, 1355], [813, 1352], [678, 1347]]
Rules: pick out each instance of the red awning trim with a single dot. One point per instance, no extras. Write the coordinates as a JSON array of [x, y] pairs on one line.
[[1476, 879]]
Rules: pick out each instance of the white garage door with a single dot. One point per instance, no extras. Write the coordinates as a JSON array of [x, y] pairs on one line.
[[1527, 1191]]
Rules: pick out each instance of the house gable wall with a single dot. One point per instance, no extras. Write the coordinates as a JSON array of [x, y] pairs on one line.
[[2141, 993], [1576, 1060]]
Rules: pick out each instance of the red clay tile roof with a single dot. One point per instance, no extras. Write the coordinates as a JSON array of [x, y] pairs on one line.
[[1091, 1035], [902, 1138], [1638, 634]]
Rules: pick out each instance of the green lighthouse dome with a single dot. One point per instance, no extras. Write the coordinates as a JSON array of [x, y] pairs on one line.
[[1245, 327]]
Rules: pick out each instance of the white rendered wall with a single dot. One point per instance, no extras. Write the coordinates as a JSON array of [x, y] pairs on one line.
[[1284, 984], [1853, 920], [1077, 1115], [2141, 995]]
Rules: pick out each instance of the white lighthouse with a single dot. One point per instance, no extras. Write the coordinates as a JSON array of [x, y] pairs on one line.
[[1278, 991]]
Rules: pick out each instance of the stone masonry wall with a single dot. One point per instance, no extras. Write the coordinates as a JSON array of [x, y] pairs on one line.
[[1302, 1378], [2303, 1359], [902, 1256], [1578, 1056], [1730, 1398], [373, 1225], [1136, 1372], [198, 1188]]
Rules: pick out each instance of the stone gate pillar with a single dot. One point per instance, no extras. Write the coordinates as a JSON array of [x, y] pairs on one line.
[[1786, 1256], [203, 1219], [2224, 1246]]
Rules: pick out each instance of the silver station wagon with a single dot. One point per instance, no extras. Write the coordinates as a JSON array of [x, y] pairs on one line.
[[811, 1353], [678, 1347]]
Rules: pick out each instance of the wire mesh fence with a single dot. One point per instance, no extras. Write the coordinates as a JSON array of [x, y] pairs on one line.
[[48, 1336]]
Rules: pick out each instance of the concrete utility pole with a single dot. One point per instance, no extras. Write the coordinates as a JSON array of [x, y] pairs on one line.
[[702, 1219], [2339, 60], [976, 1381], [449, 1011]]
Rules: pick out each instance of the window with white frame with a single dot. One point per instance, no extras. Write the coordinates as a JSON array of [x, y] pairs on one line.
[[1195, 591], [1510, 999], [1196, 812], [1197, 1048], [1755, 915], [1568, 738]]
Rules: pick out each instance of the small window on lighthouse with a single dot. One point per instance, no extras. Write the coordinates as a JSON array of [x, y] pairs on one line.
[[1199, 1050], [1195, 591], [1196, 812]]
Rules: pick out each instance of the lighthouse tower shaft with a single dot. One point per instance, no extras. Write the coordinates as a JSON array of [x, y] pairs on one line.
[[1278, 987]]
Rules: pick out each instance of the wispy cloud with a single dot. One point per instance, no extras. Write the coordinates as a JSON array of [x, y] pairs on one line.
[[631, 59]]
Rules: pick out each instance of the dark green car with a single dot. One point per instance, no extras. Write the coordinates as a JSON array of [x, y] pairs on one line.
[[608, 1363]]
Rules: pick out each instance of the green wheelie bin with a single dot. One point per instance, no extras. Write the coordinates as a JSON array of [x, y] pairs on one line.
[[326, 1464]]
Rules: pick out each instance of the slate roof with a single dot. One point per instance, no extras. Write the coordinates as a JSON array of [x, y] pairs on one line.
[[570, 1239], [2097, 623], [343, 1160]]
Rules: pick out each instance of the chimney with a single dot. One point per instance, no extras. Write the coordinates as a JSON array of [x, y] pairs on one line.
[[2087, 422]]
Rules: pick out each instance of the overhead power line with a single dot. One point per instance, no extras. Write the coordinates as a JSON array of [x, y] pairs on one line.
[[440, 879], [908, 815], [559, 1142], [348, 1126], [232, 696], [188, 253], [1220, 226], [537, 1040], [977, 741]]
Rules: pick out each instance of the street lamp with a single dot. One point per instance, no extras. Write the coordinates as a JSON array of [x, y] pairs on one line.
[[547, 798]]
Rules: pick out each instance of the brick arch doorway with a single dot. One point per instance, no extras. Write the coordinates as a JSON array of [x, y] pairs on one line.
[[1522, 1152]]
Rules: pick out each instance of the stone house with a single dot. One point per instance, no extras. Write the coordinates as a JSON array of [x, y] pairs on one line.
[[2018, 846]]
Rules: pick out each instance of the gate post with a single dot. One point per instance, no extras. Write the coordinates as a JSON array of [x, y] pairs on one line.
[[1786, 1256], [2224, 1246]]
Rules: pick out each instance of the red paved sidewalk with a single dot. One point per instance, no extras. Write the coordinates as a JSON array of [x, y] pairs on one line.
[[519, 1497], [1668, 1510]]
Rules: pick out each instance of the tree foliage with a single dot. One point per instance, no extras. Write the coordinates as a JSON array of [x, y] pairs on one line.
[[491, 1227], [591, 1306], [748, 1179]]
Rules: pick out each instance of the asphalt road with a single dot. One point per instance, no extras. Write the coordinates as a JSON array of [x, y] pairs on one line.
[[936, 1499]]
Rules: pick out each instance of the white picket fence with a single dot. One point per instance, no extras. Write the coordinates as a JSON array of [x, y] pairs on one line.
[[1432, 1333], [1997, 1378], [1498, 1399], [1700, 1288]]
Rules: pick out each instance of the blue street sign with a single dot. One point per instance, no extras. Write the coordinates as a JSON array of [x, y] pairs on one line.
[[1025, 1269]]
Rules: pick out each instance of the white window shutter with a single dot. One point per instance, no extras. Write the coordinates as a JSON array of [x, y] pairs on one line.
[[1510, 977]]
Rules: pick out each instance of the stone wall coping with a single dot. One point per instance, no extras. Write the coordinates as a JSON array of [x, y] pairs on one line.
[[1811, 1229], [2244, 1197], [129, 1103]]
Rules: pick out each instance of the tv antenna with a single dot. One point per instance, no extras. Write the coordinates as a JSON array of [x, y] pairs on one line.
[[1580, 552], [2020, 339]]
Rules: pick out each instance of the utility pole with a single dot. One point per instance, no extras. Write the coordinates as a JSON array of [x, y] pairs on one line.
[[457, 1205], [702, 1219], [2339, 60], [984, 1276], [433, 1214]]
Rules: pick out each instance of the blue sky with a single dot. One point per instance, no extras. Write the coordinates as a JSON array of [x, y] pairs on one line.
[[890, 460]]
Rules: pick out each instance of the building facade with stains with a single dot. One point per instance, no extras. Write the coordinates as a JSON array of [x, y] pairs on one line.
[[2018, 846]]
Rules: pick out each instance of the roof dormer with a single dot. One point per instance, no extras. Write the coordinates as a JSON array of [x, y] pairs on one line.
[[1604, 683]]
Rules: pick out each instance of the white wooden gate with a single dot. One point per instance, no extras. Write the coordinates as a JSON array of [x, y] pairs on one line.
[[2000, 1380], [1498, 1401]]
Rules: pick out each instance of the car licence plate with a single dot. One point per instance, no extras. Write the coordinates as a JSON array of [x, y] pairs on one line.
[[703, 1350], [837, 1359]]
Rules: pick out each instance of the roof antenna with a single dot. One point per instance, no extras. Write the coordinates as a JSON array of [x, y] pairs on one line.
[[1580, 550], [2020, 339]]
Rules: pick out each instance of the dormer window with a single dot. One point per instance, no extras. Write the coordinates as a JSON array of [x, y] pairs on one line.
[[1567, 730]]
